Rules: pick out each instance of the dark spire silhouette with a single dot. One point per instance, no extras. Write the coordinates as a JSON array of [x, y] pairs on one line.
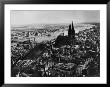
[[69, 31], [72, 26], [73, 31]]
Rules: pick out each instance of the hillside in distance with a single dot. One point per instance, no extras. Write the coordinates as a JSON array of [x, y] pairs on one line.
[[47, 32], [39, 26], [78, 26]]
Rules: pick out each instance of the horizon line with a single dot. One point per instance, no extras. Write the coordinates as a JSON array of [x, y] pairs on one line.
[[51, 23]]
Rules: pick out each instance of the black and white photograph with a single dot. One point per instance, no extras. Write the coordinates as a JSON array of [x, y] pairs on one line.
[[55, 43]]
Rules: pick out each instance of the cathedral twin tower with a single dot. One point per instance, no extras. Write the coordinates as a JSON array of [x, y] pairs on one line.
[[71, 34], [71, 31], [66, 40]]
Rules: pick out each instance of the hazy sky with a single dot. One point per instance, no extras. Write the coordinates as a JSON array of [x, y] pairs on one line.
[[61, 16]]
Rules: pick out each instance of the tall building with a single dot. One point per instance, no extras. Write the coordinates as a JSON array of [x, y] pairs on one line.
[[71, 34], [73, 31], [66, 40]]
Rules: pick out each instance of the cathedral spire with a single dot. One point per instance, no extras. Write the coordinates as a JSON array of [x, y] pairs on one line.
[[73, 31], [69, 30], [72, 26]]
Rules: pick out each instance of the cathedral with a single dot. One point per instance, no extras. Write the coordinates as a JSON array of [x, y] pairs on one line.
[[59, 42], [68, 39]]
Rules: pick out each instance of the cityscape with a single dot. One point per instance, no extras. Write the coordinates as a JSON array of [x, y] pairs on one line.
[[56, 50]]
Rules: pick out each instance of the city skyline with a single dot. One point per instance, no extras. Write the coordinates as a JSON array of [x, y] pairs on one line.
[[20, 17]]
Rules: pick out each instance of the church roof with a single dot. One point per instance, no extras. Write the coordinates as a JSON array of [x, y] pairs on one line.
[[65, 40], [61, 40]]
